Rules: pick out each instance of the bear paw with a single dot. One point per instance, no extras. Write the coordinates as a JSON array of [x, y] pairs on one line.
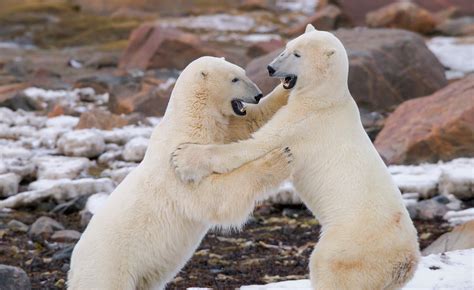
[[190, 162]]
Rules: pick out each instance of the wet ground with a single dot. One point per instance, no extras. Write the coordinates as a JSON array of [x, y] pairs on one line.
[[275, 245]]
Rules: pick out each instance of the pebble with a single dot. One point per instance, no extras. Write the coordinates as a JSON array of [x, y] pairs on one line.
[[17, 226], [66, 236], [44, 227]]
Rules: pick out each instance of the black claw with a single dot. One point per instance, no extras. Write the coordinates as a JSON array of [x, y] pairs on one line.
[[287, 149]]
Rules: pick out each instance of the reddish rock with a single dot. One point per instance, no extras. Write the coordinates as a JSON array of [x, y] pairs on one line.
[[153, 46], [251, 5], [328, 17], [262, 48], [66, 236], [148, 98], [432, 128], [404, 15], [387, 66], [357, 10], [101, 119], [57, 110], [9, 91]]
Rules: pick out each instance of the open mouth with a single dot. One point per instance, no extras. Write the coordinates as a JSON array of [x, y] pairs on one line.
[[239, 107], [289, 81]]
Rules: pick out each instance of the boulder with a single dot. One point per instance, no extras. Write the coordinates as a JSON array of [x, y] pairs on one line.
[[432, 128], [153, 46], [387, 66], [81, 143], [17, 226], [403, 15], [150, 97], [13, 278], [357, 10], [457, 27], [264, 47], [101, 119], [328, 17], [460, 238]]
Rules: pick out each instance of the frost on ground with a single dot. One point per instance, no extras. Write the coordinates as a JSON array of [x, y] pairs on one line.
[[451, 270], [455, 53]]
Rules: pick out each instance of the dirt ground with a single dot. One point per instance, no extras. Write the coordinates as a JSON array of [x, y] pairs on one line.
[[275, 245]]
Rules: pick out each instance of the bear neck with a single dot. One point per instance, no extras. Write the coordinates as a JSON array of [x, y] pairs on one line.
[[321, 95], [199, 118]]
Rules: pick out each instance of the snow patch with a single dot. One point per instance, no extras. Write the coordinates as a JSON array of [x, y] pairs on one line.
[[455, 53]]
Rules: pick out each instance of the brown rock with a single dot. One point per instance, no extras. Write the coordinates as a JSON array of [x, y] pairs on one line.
[[357, 10], [387, 66], [57, 110], [404, 15], [328, 17], [262, 48], [153, 46], [251, 5], [100, 119], [148, 98], [432, 128], [460, 238], [66, 236], [8, 91], [457, 27]]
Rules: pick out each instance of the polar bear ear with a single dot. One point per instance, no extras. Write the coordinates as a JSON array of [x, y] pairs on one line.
[[309, 28]]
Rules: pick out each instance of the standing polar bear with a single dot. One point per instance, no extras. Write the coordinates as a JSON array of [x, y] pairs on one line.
[[368, 240], [152, 222]]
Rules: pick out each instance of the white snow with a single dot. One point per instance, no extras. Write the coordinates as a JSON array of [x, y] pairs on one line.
[[60, 190], [95, 202], [455, 53], [135, 149], [305, 6], [452, 270], [9, 184], [86, 143], [58, 167], [125, 134], [217, 22], [459, 217], [117, 175], [62, 121], [422, 179]]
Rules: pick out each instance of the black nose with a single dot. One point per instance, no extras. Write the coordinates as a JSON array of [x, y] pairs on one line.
[[271, 70], [258, 97]]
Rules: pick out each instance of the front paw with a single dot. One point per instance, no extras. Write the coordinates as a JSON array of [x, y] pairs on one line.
[[189, 163]]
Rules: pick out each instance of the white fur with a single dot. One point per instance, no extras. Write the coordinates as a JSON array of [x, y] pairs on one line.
[[368, 240], [152, 222]]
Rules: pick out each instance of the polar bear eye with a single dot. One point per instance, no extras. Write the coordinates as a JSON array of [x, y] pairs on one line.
[[296, 54], [234, 80]]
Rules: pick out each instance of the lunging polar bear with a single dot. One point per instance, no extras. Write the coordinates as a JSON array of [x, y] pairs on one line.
[[368, 241], [152, 222]]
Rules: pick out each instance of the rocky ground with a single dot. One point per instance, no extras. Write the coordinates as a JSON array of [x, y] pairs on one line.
[[82, 86]]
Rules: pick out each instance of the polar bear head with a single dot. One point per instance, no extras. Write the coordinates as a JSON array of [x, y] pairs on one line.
[[216, 86], [314, 58]]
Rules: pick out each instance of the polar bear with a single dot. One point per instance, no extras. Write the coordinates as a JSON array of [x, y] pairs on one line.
[[368, 240], [152, 222]]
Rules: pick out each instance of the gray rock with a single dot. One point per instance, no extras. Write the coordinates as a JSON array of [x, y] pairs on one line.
[[66, 236], [13, 278], [64, 253], [430, 209], [44, 227], [17, 226]]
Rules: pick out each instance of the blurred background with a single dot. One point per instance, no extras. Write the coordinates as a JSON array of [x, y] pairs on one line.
[[83, 83]]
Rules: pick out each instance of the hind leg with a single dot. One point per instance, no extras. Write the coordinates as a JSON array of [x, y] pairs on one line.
[[332, 269]]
